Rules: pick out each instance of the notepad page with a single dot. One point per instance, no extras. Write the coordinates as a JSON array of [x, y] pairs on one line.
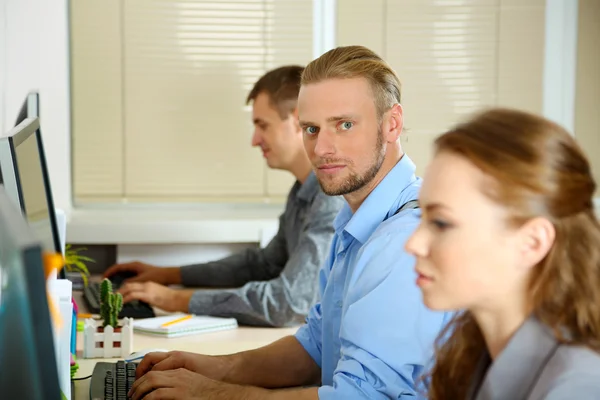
[[197, 324]]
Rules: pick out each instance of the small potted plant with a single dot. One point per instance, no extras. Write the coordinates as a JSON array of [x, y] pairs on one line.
[[105, 337], [75, 266]]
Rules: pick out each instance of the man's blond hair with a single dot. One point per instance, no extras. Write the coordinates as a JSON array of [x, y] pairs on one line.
[[357, 62]]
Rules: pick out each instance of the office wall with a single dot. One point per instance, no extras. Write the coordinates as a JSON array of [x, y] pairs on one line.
[[22, 55], [3, 41], [35, 57]]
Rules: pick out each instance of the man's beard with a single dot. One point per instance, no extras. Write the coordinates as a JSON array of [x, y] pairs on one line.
[[355, 182]]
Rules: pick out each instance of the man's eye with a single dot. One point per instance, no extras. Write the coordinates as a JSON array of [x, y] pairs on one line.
[[346, 125], [311, 130]]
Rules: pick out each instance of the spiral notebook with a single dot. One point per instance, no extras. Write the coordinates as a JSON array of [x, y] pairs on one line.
[[193, 326]]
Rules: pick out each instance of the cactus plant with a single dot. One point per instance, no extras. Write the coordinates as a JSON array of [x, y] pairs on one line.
[[110, 304]]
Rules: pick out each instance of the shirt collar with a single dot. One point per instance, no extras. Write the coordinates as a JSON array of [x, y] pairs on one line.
[[512, 375], [308, 190], [380, 204]]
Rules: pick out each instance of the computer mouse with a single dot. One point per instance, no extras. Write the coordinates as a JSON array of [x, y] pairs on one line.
[[138, 355]]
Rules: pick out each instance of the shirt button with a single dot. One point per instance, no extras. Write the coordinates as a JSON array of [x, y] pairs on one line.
[[339, 303]]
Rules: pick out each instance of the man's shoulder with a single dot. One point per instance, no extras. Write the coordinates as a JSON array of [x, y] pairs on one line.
[[325, 204], [383, 258], [388, 239], [397, 227]]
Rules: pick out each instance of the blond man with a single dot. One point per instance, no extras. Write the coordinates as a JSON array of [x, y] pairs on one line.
[[370, 337]]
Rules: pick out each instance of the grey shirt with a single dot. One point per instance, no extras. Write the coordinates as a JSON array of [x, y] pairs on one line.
[[277, 285], [534, 366]]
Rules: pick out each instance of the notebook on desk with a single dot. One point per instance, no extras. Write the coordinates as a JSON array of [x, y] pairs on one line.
[[197, 324]]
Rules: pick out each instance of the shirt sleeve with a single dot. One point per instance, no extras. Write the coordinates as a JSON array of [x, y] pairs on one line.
[[252, 264], [310, 334], [286, 299], [386, 333]]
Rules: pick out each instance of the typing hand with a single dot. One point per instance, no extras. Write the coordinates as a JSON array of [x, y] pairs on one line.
[[181, 384], [146, 273], [212, 367], [157, 295]]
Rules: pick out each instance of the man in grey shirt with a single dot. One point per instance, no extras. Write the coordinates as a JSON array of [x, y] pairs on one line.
[[276, 285]]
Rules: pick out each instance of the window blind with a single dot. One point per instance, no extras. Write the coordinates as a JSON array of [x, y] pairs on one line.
[[159, 89], [587, 89], [452, 56]]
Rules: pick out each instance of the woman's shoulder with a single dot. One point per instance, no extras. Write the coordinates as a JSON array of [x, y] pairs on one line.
[[571, 371], [570, 357]]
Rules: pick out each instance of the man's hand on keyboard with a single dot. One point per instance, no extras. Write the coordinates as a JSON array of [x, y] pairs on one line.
[[185, 384], [157, 295], [212, 367], [146, 273]]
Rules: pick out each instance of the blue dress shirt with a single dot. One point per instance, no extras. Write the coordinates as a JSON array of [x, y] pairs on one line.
[[371, 334]]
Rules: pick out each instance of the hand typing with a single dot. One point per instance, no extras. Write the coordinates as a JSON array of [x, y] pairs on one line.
[[146, 273], [212, 367], [157, 295], [174, 384]]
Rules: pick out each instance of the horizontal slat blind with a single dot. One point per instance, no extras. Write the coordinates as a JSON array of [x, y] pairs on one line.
[[587, 89], [446, 58], [453, 58], [186, 69], [289, 35], [96, 102], [521, 43]]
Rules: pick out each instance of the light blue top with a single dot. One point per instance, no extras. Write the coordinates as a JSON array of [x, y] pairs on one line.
[[371, 334]]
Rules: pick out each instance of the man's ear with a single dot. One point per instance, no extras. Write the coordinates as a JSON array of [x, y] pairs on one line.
[[294, 115], [395, 123], [536, 238]]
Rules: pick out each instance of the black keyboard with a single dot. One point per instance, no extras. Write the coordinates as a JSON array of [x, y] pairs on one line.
[[112, 381], [134, 309]]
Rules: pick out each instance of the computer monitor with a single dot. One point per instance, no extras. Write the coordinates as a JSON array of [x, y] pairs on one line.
[[28, 368], [30, 108], [26, 181]]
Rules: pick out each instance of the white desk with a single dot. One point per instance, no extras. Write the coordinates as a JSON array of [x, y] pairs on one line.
[[217, 343]]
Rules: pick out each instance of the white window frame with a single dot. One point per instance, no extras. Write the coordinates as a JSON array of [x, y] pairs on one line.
[[560, 63], [324, 12]]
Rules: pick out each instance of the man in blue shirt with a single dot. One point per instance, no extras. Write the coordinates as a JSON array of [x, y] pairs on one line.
[[370, 337]]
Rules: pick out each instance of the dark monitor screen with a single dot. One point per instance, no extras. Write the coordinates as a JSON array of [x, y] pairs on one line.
[[27, 357], [26, 180]]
